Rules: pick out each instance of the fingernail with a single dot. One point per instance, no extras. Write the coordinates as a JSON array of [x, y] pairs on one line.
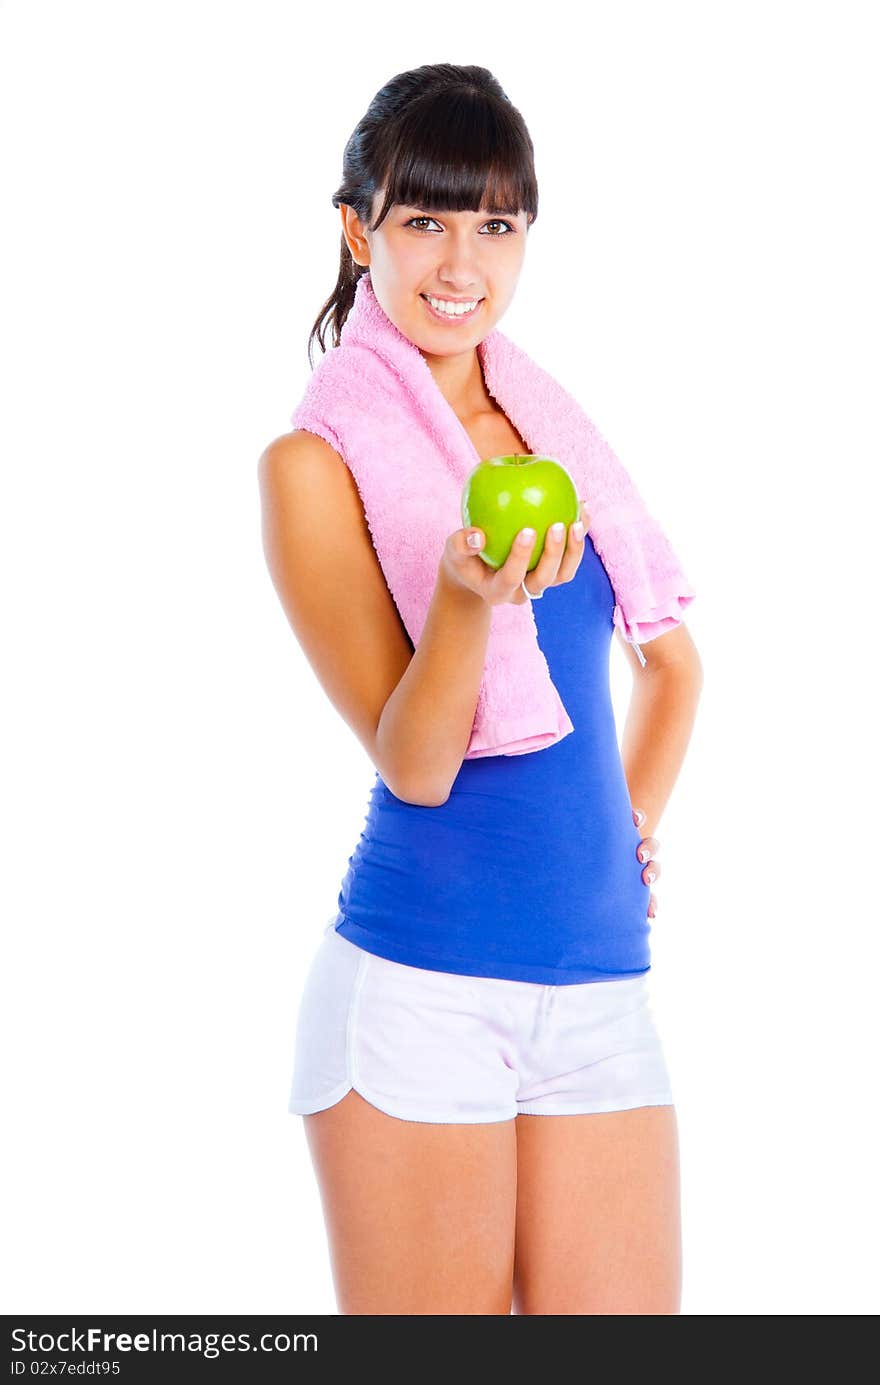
[[557, 530], [643, 855], [526, 535], [578, 530], [650, 877], [475, 540], [640, 816]]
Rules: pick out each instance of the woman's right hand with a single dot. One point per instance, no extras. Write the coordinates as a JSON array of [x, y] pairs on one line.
[[558, 563]]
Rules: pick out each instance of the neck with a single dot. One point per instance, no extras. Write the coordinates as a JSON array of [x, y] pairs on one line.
[[460, 380]]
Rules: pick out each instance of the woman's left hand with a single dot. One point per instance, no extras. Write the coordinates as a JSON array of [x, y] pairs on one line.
[[645, 851]]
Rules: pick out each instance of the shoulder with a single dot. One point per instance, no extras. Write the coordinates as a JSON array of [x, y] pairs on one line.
[[306, 484], [299, 448]]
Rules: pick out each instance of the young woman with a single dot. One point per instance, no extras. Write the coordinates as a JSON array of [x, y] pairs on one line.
[[484, 1091]]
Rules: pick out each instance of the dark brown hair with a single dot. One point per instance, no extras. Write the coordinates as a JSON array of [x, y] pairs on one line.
[[439, 136]]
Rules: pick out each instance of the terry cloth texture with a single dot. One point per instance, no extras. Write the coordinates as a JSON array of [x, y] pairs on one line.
[[374, 399]]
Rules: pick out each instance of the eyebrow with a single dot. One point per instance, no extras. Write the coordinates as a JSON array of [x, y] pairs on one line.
[[427, 211]]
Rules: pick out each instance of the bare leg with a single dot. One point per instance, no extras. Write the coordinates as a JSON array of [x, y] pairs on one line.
[[420, 1217], [598, 1227]]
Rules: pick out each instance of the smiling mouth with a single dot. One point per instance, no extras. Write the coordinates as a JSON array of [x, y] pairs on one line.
[[439, 313]]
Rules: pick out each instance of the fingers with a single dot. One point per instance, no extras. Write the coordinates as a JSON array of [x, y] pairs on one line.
[[560, 558], [509, 576], [494, 585], [650, 873], [462, 562], [646, 852], [563, 550], [472, 539], [571, 550]]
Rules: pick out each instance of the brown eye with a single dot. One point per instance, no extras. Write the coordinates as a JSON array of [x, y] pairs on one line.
[[511, 230]]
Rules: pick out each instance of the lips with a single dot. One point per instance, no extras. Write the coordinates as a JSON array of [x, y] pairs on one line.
[[441, 298], [440, 316]]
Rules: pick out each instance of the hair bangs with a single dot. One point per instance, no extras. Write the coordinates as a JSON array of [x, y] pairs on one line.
[[454, 154], [440, 138]]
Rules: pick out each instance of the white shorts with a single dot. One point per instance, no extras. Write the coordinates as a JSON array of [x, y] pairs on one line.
[[437, 1046]]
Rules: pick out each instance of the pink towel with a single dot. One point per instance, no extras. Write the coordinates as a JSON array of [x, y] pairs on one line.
[[374, 400]]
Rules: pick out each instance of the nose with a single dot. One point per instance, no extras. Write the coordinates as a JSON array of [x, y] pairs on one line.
[[458, 286], [459, 272]]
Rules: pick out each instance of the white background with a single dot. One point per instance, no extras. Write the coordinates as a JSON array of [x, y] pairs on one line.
[[180, 799]]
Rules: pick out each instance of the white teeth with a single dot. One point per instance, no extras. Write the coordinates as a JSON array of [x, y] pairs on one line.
[[452, 309]]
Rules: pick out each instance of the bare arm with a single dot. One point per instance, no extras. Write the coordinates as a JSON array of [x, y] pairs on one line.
[[660, 719], [429, 716], [412, 710]]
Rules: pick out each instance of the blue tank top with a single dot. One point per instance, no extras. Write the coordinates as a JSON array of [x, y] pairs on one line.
[[529, 870]]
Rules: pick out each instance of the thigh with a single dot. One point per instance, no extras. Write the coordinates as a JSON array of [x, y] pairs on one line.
[[420, 1217], [598, 1222]]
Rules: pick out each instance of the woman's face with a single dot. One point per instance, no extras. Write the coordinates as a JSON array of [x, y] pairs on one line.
[[449, 255]]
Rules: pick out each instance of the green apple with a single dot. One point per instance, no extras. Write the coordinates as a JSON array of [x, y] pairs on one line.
[[505, 494]]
